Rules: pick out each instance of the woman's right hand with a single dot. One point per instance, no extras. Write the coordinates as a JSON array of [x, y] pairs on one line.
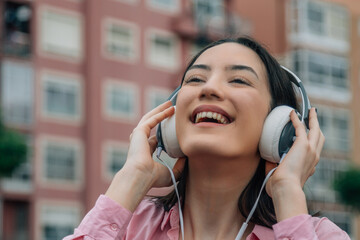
[[141, 172], [142, 146]]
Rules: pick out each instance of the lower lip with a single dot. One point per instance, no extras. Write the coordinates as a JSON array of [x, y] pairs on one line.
[[209, 124]]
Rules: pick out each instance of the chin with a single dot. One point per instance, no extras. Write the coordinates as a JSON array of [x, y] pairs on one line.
[[210, 148]]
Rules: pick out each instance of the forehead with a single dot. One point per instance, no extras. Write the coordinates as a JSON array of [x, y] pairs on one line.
[[229, 54]]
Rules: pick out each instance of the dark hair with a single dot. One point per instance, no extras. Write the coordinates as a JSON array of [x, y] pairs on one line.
[[282, 93]]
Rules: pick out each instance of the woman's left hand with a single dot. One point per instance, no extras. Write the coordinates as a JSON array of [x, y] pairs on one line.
[[299, 163]]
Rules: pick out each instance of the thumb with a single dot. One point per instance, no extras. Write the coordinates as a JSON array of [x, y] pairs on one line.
[[179, 167]]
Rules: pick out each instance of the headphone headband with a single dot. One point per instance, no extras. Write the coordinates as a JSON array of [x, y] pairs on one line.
[[304, 97]]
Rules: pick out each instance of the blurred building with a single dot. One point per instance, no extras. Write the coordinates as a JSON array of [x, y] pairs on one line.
[[77, 75]]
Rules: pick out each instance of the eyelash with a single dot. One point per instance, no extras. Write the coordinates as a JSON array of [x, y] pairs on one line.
[[193, 79], [196, 79], [240, 81]]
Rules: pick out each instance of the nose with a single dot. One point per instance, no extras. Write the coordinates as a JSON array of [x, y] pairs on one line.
[[212, 89]]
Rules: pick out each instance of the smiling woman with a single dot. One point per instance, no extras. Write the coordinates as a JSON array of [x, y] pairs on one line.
[[226, 94]]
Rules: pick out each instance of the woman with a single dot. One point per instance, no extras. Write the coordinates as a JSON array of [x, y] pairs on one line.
[[223, 171]]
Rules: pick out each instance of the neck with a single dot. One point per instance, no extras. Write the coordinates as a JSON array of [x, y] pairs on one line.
[[212, 192]]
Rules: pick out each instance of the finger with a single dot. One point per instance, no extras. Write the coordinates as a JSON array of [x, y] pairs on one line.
[[153, 143], [157, 118], [179, 167], [156, 110], [319, 147], [315, 132], [313, 171], [146, 126], [300, 131]]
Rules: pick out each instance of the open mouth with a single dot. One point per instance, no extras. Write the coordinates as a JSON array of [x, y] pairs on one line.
[[212, 117]]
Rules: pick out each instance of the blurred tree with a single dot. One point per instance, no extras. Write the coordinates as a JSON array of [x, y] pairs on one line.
[[348, 187], [13, 150]]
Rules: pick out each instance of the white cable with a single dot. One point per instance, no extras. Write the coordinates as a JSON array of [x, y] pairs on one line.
[[245, 224], [158, 153]]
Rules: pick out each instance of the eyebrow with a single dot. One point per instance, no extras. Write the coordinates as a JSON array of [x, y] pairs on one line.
[[200, 66], [241, 67], [227, 68]]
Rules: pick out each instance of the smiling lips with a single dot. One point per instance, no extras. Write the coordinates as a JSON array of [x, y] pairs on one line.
[[210, 117], [210, 114]]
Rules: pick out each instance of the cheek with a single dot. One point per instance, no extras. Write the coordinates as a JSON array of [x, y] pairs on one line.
[[253, 110]]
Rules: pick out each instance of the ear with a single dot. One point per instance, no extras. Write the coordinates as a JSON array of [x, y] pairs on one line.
[[272, 132]]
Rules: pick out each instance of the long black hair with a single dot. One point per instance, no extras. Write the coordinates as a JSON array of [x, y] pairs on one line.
[[282, 93]]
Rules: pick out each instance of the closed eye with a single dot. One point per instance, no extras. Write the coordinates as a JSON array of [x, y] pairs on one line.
[[240, 81], [193, 80]]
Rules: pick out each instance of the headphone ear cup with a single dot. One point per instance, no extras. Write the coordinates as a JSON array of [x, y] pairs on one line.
[[169, 137], [270, 141]]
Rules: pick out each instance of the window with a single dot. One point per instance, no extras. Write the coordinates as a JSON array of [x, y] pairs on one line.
[[155, 97], [17, 93], [339, 23], [121, 100], [316, 18], [121, 40], [61, 161], [164, 50], [167, 6], [58, 221], [128, 1], [318, 22], [335, 126], [319, 186], [61, 34], [16, 29], [207, 13], [61, 97], [115, 158], [322, 69]]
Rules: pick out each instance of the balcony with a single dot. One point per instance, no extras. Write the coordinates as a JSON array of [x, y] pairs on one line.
[[16, 40], [208, 21], [19, 182]]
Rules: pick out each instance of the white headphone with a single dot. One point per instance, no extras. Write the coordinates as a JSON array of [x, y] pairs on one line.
[[277, 136]]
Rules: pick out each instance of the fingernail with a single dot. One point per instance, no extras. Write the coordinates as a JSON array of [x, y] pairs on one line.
[[316, 110]]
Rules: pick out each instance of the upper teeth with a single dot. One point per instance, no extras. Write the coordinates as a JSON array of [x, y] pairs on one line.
[[217, 116]]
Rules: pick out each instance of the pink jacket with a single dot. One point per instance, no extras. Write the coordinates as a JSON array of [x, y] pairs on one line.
[[108, 220]]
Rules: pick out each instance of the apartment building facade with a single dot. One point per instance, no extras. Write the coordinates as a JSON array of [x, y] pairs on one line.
[[77, 75]]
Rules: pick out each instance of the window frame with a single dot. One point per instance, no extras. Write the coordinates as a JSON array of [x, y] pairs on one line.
[[109, 147], [130, 2], [153, 92], [44, 205], [331, 132], [72, 143], [318, 190], [111, 84], [152, 60], [24, 123], [135, 32], [44, 51], [327, 90], [300, 33], [174, 9], [69, 79]]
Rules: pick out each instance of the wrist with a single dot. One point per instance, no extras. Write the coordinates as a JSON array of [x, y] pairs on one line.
[[128, 188], [289, 200]]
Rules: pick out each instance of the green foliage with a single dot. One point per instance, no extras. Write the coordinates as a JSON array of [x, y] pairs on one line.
[[13, 150], [348, 187]]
